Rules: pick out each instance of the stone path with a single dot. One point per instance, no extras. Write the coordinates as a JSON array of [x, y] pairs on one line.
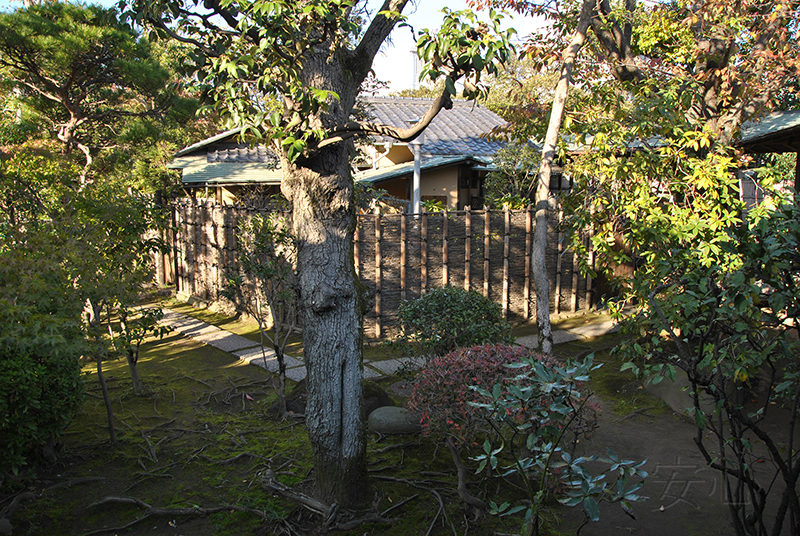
[[264, 357], [255, 354]]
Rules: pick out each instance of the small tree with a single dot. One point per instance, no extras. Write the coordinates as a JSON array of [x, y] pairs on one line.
[[543, 406], [513, 183], [261, 284], [41, 335], [732, 329], [134, 328]]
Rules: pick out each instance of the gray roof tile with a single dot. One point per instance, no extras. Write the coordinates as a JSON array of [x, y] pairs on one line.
[[240, 153], [458, 131]]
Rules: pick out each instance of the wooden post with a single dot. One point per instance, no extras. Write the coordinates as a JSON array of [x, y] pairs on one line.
[[591, 265], [445, 273], [528, 238], [574, 297], [467, 246], [424, 254], [506, 247], [487, 233], [356, 235], [558, 263], [403, 259], [378, 277]]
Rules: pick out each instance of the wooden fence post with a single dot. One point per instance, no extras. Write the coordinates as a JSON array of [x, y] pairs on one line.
[[445, 273], [403, 254], [467, 247], [378, 274], [526, 291], [559, 263], [591, 265], [487, 233], [424, 254], [356, 236], [506, 247]]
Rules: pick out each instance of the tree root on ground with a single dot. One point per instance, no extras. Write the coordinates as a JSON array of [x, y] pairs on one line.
[[423, 485], [332, 514]]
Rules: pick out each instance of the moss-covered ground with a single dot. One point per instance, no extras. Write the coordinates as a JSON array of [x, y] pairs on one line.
[[203, 435]]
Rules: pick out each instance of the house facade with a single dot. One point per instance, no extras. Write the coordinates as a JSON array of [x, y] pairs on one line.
[[456, 151], [454, 158]]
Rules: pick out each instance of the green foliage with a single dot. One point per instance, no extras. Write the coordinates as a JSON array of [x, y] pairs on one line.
[[464, 48], [541, 405], [42, 336], [106, 91], [261, 283], [731, 328], [450, 317], [514, 182], [433, 205]]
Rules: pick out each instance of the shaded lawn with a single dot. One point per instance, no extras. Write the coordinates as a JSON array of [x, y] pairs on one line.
[[201, 437]]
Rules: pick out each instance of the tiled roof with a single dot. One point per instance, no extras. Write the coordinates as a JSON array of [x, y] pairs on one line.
[[777, 132], [458, 131], [240, 153]]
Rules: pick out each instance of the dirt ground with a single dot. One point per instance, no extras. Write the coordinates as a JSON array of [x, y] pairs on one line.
[[684, 495]]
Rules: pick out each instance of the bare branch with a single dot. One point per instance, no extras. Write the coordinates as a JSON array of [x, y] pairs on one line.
[[355, 128]]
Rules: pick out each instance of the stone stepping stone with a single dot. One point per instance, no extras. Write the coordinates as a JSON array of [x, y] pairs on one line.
[[254, 356], [223, 340], [596, 330], [370, 372], [296, 374], [560, 336], [390, 366]]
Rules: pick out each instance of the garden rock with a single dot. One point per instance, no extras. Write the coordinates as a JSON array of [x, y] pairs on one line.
[[393, 420]]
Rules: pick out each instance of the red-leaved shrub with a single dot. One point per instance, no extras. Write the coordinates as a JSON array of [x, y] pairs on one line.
[[442, 394]]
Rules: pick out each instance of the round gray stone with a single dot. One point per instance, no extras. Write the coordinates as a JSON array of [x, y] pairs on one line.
[[393, 420]]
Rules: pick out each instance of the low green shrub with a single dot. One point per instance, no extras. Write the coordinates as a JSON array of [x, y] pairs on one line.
[[448, 318], [41, 341]]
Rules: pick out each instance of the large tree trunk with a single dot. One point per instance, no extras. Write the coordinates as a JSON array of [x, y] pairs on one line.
[[321, 191], [543, 201]]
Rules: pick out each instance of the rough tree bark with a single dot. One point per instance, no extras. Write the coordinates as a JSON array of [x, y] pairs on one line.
[[321, 192], [543, 201]]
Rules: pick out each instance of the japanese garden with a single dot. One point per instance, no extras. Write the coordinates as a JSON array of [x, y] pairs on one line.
[[246, 288]]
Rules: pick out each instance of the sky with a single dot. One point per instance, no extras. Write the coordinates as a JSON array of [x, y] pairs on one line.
[[395, 63]]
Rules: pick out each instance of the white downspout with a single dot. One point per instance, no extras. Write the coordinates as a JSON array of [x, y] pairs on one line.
[[416, 147]]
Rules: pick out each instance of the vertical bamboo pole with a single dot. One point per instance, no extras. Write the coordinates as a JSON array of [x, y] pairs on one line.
[[356, 242], [559, 262], [506, 247], [445, 271], [424, 254], [403, 239], [591, 265], [487, 233], [574, 298], [378, 274], [467, 246], [526, 291]]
